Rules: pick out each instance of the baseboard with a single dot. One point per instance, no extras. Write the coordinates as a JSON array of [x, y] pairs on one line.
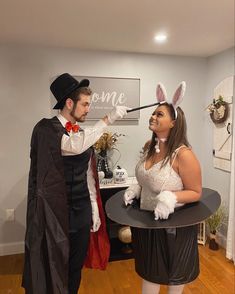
[[11, 248]]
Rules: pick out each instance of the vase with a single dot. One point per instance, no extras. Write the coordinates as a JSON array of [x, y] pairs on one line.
[[102, 164], [213, 245]]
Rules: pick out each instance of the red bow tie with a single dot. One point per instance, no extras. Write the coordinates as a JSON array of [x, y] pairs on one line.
[[69, 126]]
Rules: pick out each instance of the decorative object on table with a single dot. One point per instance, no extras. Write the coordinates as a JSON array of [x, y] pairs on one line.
[[214, 222], [102, 164], [101, 175], [106, 143], [124, 235], [218, 110], [120, 175]]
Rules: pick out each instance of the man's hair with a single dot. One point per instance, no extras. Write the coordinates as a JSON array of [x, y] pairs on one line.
[[177, 135], [75, 95]]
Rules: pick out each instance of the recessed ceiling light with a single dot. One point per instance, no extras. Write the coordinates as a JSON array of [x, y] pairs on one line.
[[160, 38]]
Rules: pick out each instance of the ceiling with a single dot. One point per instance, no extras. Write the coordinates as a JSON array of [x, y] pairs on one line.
[[195, 27]]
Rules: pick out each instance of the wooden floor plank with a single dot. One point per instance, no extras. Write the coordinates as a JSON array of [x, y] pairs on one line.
[[216, 276]]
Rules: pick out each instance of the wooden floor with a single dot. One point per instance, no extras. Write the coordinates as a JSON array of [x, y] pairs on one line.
[[217, 276]]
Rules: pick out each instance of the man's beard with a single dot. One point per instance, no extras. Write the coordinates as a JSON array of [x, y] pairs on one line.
[[78, 119]]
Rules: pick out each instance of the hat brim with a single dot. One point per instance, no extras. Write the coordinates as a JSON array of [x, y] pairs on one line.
[[187, 215], [83, 83]]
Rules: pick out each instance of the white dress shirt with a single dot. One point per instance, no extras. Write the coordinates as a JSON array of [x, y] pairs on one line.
[[79, 142]]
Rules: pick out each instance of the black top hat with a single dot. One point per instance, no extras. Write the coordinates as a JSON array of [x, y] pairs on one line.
[[64, 85]]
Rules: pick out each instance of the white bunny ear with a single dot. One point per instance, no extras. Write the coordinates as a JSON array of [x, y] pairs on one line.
[[179, 94], [161, 93]]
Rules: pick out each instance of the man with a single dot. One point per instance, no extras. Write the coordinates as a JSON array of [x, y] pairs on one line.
[[62, 193]]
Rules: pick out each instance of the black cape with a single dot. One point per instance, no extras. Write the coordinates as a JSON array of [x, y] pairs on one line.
[[46, 241]]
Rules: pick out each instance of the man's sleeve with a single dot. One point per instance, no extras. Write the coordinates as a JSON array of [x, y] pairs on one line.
[[77, 143]]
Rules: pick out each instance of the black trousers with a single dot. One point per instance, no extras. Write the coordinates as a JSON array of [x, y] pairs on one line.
[[78, 249]]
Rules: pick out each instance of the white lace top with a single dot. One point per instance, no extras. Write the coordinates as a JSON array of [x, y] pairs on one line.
[[156, 179]]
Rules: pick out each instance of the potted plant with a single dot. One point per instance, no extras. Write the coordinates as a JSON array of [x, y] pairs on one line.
[[214, 222]]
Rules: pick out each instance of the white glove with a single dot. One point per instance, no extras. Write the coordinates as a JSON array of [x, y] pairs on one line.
[[117, 113], [165, 205], [95, 217], [92, 190], [132, 192]]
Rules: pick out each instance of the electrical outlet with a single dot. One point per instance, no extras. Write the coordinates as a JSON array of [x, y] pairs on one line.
[[10, 214]]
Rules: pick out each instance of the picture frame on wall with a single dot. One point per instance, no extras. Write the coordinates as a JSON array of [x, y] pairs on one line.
[[108, 92]]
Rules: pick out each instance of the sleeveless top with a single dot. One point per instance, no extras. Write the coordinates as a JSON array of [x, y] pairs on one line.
[[157, 179]]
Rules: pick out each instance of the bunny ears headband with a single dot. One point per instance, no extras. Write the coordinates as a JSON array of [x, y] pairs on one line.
[[162, 98], [177, 98]]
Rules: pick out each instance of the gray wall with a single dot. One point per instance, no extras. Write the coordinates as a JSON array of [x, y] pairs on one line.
[[25, 75], [219, 67]]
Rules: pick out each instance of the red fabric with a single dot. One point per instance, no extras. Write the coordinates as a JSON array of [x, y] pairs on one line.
[[99, 247], [69, 126]]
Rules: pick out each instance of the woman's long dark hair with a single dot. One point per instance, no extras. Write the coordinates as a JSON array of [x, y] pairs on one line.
[[177, 136]]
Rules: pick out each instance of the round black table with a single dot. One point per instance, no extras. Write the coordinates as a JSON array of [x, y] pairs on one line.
[[187, 215]]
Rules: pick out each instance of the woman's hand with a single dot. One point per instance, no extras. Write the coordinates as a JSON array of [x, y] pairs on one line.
[[131, 193], [166, 205]]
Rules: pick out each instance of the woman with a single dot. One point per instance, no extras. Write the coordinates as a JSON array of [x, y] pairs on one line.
[[168, 176]]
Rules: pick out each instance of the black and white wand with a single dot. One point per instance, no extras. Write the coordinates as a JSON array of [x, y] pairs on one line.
[[141, 107]]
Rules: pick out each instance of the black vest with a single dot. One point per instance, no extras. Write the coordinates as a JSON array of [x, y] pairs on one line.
[[75, 170]]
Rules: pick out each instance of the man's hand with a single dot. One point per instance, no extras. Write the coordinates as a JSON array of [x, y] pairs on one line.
[[117, 113]]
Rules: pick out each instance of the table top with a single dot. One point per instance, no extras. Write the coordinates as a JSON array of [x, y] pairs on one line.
[[110, 184], [187, 215]]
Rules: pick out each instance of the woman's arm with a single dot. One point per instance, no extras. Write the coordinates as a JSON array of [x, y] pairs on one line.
[[190, 173]]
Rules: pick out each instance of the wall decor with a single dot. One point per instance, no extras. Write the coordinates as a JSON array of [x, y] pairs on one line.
[[222, 128], [109, 92], [218, 110]]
